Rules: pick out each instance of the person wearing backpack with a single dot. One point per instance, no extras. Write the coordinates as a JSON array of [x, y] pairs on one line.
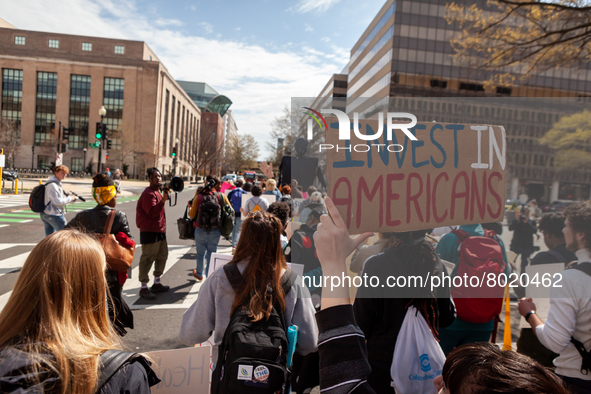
[[53, 214], [93, 221], [462, 331], [551, 226], [55, 332], [235, 197], [271, 186], [567, 330], [255, 297], [256, 202], [206, 210], [381, 312]]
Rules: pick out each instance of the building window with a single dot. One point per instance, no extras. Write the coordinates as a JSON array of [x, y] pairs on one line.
[[43, 162], [172, 123], [12, 94], [471, 86], [76, 165], [79, 111], [113, 102], [340, 84], [45, 108], [54, 43], [437, 83], [150, 57], [165, 123], [503, 90], [119, 50], [87, 46], [19, 40]]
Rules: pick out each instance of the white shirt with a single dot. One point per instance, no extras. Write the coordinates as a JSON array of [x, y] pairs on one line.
[[570, 315], [54, 197]]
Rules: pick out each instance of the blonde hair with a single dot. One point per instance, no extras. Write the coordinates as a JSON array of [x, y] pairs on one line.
[[59, 306], [61, 168], [271, 184]]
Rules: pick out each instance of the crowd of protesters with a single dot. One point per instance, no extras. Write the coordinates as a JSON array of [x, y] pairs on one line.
[[55, 341]]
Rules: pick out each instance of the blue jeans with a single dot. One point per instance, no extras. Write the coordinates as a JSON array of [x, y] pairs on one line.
[[206, 243], [53, 223], [236, 230]]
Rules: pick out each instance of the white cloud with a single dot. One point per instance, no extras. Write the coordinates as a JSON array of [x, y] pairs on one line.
[[193, 7], [207, 27], [259, 81], [168, 22], [308, 27], [313, 5], [325, 39], [238, 28]]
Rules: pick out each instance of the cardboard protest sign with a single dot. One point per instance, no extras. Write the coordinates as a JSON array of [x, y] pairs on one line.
[[182, 371], [452, 174], [266, 168], [218, 260]]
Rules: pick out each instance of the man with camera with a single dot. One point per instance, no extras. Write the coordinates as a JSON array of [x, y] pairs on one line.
[[151, 220], [523, 237]]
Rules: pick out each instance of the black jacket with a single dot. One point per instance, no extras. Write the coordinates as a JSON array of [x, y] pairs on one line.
[[380, 311], [523, 235], [93, 221], [17, 375]]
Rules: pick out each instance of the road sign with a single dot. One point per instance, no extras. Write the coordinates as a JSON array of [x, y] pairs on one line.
[[59, 157], [2, 160]]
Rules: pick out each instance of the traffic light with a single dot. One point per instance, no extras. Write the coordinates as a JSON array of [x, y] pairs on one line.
[[65, 133], [174, 152], [107, 156], [64, 148], [109, 145], [99, 132], [105, 131]]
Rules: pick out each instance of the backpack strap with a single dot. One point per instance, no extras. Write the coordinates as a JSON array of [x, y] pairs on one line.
[[111, 361], [559, 258], [287, 280], [461, 234], [234, 276], [583, 267]]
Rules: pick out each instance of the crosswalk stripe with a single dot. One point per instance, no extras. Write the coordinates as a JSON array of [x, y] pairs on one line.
[[131, 289], [132, 286], [9, 220], [13, 263], [19, 215]]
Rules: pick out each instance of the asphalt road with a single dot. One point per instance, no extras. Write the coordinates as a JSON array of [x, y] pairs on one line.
[[156, 322]]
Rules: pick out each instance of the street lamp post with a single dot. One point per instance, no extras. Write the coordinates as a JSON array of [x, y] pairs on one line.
[[84, 162], [205, 169], [102, 113], [33, 157], [176, 160]]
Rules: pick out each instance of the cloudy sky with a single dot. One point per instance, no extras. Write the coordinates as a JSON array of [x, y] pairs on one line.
[[259, 53]]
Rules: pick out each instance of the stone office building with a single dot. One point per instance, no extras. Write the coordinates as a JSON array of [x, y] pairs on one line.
[[405, 55], [48, 78]]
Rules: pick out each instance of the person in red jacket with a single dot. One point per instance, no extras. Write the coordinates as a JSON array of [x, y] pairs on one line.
[[151, 220]]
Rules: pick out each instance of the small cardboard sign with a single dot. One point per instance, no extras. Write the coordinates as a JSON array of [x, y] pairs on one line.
[[219, 259], [452, 174], [182, 371], [2, 161]]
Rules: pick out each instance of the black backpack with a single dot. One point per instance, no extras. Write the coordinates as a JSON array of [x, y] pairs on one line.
[[37, 198], [209, 214], [253, 355]]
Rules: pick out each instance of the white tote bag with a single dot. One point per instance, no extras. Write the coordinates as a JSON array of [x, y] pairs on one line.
[[418, 358]]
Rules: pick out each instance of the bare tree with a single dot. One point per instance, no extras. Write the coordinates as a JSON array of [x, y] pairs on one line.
[[206, 153], [280, 129], [10, 138], [241, 152], [522, 36]]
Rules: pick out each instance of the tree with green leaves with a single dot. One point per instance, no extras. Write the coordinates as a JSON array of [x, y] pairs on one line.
[[570, 137]]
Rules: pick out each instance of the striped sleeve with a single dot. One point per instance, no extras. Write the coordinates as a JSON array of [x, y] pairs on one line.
[[343, 355]]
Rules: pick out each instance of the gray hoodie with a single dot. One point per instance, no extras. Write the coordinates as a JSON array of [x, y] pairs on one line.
[[210, 314]]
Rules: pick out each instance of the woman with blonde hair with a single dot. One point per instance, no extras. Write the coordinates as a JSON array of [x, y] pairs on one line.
[[271, 187], [55, 326]]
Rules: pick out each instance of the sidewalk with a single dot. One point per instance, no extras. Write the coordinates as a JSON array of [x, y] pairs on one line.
[[79, 186]]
